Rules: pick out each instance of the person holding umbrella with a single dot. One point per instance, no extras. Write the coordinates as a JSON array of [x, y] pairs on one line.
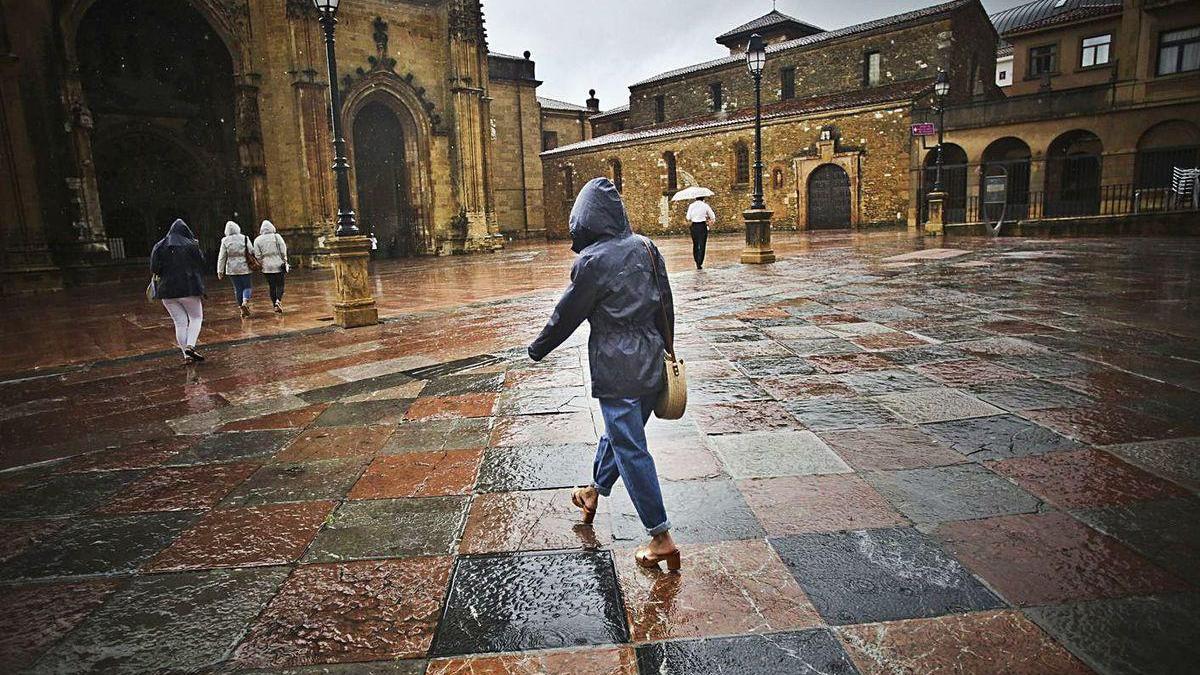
[[700, 217]]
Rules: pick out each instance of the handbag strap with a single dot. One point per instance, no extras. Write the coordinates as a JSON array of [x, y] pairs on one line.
[[670, 337]]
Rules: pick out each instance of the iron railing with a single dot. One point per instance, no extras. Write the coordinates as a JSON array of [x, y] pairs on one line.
[[1108, 200]]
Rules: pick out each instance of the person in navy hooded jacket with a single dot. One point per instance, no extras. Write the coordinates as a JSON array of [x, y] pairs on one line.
[[619, 285]]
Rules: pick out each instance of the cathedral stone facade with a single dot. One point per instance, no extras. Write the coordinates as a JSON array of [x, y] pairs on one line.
[[120, 115]]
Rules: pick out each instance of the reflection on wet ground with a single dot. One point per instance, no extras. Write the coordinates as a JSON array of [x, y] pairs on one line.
[[977, 460]]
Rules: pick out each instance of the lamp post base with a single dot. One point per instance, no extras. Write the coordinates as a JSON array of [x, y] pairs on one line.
[[354, 305], [937, 214], [758, 249]]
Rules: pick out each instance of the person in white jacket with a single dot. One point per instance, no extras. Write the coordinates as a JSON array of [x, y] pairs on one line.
[[231, 262], [271, 250]]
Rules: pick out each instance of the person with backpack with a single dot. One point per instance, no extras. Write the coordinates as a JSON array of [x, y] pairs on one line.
[[178, 268], [236, 260], [271, 251]]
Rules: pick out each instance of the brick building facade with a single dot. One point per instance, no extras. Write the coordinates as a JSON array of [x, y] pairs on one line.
[[836, 137]]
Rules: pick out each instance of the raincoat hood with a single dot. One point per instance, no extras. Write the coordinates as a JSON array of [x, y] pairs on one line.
[[231, 228], [267, 228], [598, 214], [179, 234]]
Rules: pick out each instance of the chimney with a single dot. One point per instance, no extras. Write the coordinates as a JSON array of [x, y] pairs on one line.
[[593, 103]]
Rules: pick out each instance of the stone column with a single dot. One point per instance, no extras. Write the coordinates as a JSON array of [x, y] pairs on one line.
[[251, 159], [758, 237], [469, 147], [354, 305], [83, 187], [935, 224]]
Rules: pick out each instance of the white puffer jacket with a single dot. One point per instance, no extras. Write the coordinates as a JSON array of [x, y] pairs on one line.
[[232, 258], [270, 249]]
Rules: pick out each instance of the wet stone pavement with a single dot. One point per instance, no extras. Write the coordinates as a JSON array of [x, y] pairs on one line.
[[973, 461]]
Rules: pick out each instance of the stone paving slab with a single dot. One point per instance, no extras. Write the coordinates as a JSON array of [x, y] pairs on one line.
[[388, 528], [811, 651], [955, 492]]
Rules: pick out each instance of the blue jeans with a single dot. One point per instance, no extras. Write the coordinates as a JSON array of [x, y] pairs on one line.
[[622, 453], [241, 287]]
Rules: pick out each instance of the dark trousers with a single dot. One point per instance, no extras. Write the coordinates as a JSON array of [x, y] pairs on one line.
[[699, 242], [275, 281]]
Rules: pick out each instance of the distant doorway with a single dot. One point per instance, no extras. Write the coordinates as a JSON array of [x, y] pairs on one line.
[[828, 198], [382, 180]]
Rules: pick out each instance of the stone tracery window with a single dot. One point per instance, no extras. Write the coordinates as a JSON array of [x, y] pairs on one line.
[[617, 178], [672, 174], [741, 159]]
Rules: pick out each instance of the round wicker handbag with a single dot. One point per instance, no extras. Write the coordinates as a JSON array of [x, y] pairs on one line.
[[672, 400]]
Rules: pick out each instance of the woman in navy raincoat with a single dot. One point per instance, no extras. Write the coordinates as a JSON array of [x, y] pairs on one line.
[[619, 285]]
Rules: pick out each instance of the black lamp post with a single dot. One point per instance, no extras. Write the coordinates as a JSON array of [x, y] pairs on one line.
[[941, 87], [341, 168], [756, 58]]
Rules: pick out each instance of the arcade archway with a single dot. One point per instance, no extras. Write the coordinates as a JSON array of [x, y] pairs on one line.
[[159, 84]]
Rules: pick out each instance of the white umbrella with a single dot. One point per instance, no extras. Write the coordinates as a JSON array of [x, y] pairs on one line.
[[688, 194]]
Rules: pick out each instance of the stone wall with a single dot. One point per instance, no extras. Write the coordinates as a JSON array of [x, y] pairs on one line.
[[571, 127], [835, 66], [876, 140], [516, 141]]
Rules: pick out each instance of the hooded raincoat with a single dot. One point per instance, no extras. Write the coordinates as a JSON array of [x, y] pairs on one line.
[[179, 264], [270, 249], [232, 258], [614, 287]]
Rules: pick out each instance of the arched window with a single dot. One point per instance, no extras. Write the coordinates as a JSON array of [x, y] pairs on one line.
[[616, 174], [672, 175], [741, 160]]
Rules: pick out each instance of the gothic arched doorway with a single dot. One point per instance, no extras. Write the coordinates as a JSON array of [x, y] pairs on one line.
[[159, 83], [382, 180], [828, 198]]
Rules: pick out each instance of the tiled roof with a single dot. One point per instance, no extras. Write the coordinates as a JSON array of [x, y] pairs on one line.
[[619, 110], [819, 38], [1077, 14], [772, 18], [1004, 49], [901, 92], [555, 104], [1023, 17]]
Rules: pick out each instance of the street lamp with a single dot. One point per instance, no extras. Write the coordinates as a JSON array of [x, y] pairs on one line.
[[941, 87], [756, 58], [348, 251], [757, 218], [341, 167]]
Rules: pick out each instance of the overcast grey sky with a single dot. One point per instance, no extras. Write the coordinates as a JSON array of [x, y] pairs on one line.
[[609, 44]]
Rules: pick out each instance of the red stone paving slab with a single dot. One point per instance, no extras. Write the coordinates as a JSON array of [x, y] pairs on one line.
[[536, 520], [180, 488], [1109, 424], [1051, 558], [724, 588], [335, 443], [763, 313], [889, 449], [342, 612], [849, 363], [419, 474], [967, 372], [795, 504], [260, 535], [137, 456], [451, 407], [599, 661], [34, 617], [289, 419], [711, 369], [17, 536], [685, 457], [886, 341], [804, 386], [1116, 386], [828, 319], [1084, 479], [732, 418], [984, 643]]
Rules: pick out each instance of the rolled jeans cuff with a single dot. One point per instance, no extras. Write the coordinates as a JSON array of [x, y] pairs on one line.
[[601, 490], [659, 529]]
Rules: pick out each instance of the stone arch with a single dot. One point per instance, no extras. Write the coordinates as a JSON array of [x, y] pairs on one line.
[[392, 91], [954, 182], [1009, 156], [1073, 168], [1164, 146], [161, 72]]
